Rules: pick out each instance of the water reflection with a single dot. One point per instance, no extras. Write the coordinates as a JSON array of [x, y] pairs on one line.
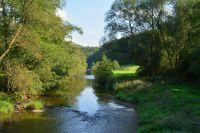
[[90, 112], [87, 101], [90, 77], [66, 95]]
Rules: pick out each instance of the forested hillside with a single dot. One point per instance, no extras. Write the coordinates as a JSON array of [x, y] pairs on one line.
[[162, 37], [121, 50], [89, 50], [34, 56], [91, 54]]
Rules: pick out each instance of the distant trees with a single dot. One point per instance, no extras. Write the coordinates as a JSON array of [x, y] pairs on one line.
[[120, 50], [89, 50], [33, 54], [160, 33], [91, 54]]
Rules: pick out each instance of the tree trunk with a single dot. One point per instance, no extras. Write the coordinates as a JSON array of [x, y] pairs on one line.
[[11, 43], [169, 57]]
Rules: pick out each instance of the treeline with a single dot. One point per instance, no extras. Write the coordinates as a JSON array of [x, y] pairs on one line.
[[91, 54], [34, 56], [162, 37], [121, 50]]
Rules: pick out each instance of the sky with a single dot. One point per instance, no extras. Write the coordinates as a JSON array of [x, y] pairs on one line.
[[89, 15]]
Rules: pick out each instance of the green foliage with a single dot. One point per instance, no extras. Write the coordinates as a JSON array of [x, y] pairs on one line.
[[128, 51], [88, 51], [33, 105], [58, 63], [34, 55], [120, 50], [135, 85], [94, 55], [162, 37], [6, 107], [103, 71], [120, 19], [22, 80], [164, 107], [160, 41], [116, 65]]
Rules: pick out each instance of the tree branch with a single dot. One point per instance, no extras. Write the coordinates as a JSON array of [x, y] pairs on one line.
[[11, 43]]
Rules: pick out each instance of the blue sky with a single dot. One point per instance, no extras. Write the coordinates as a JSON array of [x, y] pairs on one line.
[[89, 15]]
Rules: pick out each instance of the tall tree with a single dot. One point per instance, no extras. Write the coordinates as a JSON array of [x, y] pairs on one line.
[[122, 19]]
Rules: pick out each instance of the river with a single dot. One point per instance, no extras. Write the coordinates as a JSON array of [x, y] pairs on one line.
[[80, 110]]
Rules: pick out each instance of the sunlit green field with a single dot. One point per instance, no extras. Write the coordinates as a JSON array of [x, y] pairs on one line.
[[128, 70]]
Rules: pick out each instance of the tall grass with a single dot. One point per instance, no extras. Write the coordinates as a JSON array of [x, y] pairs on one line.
[[131, 85], [164, 108], [6, 107]]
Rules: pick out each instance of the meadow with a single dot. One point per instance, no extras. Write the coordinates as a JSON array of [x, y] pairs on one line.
[[162, 107]]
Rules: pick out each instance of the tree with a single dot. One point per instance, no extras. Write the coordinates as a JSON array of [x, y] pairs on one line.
[[165, 34], [133, 17], [33, 47], [122, 19], [174, 32], [103, 71]]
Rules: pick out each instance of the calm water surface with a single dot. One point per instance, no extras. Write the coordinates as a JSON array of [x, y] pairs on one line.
[[76, 109]]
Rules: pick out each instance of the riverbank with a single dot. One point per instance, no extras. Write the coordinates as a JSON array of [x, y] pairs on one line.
[[10, 103], [166, 108], [162, 107], [38, 101]]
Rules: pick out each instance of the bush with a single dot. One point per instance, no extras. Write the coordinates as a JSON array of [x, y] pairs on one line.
[[6, 107], [102, 71], [33, 105], [22, 80], [131, 85], [116, 65]]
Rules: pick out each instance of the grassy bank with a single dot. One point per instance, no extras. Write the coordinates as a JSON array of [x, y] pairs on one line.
[[126, 71], [12, 102], [6, 107], [6, 104], [167, 108]]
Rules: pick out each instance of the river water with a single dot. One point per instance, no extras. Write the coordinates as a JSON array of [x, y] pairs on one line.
[[80, 109]]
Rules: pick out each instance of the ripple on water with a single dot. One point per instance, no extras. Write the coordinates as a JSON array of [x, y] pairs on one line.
[[90, 113]]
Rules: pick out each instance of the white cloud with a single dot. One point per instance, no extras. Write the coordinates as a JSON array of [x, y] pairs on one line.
[[62, 14]]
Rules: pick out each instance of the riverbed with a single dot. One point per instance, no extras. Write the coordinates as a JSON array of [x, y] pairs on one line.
[[83, 109]]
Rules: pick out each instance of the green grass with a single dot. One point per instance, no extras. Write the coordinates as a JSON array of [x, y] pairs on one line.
[[6, 107], [166, 108], [128, 70], [162, 108], [5, 104], [33, 105]]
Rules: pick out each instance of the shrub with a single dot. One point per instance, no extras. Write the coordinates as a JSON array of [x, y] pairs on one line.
[[6, 107], [102, 71], [131, 85], [22, 80], [115, 65], [32, 105]]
